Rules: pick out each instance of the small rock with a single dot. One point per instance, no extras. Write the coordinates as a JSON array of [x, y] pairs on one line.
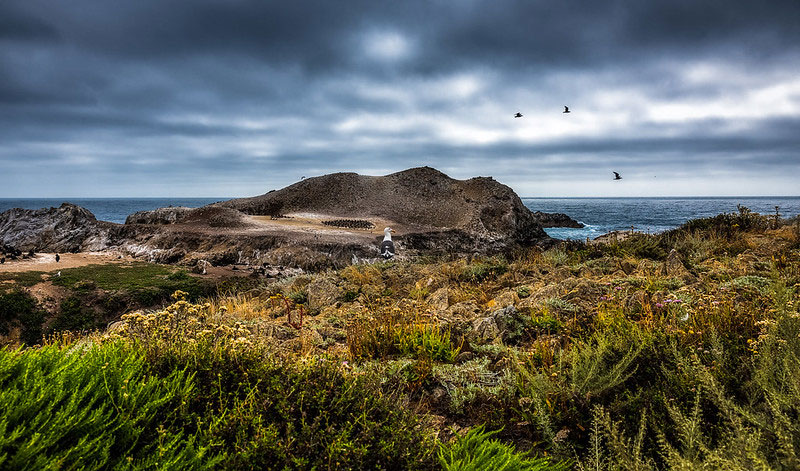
[[507, 298], [485, 328], [440, 299], [673, 266]]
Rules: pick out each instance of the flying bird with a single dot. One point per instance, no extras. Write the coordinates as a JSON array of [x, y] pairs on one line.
[[387, 246], [518, 115], [566, 109], [616, 176]]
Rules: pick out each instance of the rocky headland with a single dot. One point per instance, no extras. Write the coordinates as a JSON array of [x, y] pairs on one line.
[[319, 222]]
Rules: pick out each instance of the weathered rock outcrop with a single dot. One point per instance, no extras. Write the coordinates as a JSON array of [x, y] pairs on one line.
[[68, 228], [211, 216], [556, 220], [169, 215]]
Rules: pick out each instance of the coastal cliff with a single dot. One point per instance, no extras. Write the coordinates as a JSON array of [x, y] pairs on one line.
[[319, 222]]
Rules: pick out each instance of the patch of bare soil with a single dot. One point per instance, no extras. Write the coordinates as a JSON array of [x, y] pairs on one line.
[[48, 295], [314, 223], [47, 261]]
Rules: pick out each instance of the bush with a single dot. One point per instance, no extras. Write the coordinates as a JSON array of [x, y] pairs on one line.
[[74, 316], [393, 334], [67, 408], [18, 308], [481, 271], [478, 450], [260, 411]]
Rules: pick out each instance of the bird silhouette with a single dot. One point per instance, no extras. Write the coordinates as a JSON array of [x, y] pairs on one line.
[[616, 176], [566, 109], [518, 115]]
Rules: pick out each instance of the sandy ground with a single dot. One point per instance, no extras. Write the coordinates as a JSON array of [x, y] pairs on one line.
[[312, 223], [47, 261]]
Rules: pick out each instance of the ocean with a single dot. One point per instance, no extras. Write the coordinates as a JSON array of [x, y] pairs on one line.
[[600, 215]]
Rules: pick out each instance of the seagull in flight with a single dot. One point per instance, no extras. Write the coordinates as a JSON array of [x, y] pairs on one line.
[[518, 115], [566, 109], [616, 176]]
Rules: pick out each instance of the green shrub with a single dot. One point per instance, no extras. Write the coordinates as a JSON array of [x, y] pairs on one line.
[[93, 408], [544, 323], [262, 411], [392, 333], [18, 308], [484, 270], [74, 316], [478, 450], [265, 413], [298, 296], [426, 341], [758, 284]]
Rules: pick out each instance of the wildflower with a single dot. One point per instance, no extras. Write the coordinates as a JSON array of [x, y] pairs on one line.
[[659, 305], [617, 288]]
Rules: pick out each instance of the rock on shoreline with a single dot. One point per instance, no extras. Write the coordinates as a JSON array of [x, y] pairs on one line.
[[556, 220]]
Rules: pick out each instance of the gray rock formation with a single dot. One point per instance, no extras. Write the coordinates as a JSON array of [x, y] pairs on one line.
[[169, 215], [68, 228], [556, 220]]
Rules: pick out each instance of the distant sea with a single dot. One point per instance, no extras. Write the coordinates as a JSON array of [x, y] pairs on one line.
[[600, 215]]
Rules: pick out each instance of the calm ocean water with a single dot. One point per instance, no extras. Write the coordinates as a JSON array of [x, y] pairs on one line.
[[600, 215]]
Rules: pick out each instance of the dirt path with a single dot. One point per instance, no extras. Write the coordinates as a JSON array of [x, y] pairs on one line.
[[47, 261]]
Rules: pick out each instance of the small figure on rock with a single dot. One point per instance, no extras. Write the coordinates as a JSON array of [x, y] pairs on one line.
[[58, 258], [387, 246], [2, 260]]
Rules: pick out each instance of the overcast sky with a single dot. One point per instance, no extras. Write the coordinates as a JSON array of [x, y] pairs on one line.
[[234, 98]]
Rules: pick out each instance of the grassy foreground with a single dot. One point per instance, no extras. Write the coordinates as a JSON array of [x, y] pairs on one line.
[[675, 351]]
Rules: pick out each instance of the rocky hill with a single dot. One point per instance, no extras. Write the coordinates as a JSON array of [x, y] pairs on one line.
[[422, 199]]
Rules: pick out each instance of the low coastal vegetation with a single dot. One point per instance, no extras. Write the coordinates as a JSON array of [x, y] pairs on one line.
[[35, 303], [672, 351]]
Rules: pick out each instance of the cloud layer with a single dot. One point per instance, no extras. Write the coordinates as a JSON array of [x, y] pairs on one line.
[[213, 98]]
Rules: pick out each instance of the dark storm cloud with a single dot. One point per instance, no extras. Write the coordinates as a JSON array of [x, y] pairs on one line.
[[155, 97]]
